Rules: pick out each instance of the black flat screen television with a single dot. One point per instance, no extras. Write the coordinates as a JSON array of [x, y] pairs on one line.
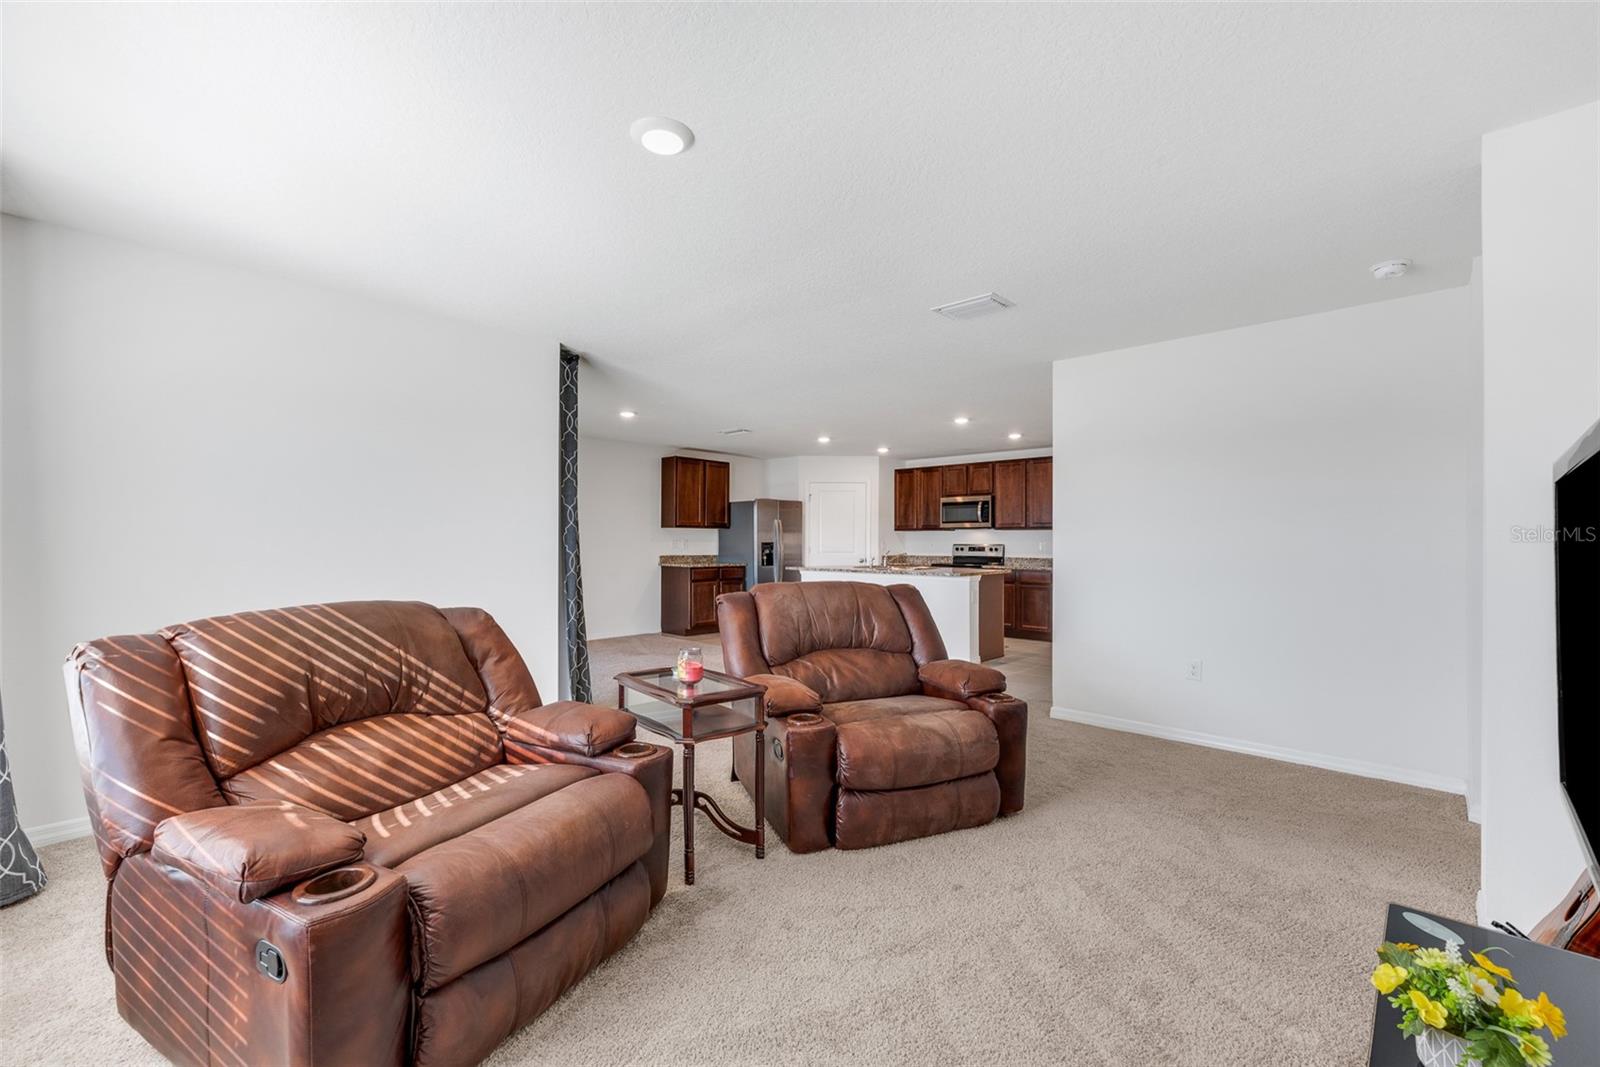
[[1577, 544]]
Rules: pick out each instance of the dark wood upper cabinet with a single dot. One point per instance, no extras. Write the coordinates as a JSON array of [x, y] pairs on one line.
[[694, 492], [953, 480], [929, 489], [1020, 488], [718, 476], [1011, 494], [688, 492], [1040, 511], [905, 499]]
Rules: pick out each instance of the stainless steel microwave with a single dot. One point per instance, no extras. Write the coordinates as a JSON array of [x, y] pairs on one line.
[[966, 512]]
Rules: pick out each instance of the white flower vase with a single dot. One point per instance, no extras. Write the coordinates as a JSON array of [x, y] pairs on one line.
[[1435, 1048]]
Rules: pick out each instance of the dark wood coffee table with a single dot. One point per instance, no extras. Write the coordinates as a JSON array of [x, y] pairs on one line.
[[717, 706]]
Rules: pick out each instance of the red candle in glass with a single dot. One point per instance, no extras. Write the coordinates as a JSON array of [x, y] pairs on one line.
[[693, 671]]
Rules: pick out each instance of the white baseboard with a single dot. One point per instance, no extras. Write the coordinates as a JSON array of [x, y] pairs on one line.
[[51, 832], [1405, 776]]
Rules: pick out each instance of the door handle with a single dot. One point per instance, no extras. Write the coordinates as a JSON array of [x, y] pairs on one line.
[[778, 549]]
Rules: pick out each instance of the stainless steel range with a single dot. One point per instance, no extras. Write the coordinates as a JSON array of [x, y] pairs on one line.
[[977, 555]]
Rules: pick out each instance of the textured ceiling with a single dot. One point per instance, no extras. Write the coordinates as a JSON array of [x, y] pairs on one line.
[[1124, 173]]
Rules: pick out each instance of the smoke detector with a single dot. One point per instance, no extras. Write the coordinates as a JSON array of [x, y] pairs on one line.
[[1390, 268], [973, 306]]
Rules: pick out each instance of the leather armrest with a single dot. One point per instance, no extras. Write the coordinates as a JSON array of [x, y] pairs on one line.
[[1010, 718], [785, 696], [586, 729], [250, 850], [649, 765], [345, 997], [962, 678]]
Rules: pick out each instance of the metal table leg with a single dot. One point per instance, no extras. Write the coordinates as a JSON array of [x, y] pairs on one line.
[[689, 805], [761, 792]]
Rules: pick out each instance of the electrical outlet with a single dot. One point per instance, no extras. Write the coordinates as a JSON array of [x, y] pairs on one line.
[[1197, 670]]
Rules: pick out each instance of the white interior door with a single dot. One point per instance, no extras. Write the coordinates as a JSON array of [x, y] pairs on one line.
[[836, 524]]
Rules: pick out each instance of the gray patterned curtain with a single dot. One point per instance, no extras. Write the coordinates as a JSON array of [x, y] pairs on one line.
[[573, 631], [20, 874]]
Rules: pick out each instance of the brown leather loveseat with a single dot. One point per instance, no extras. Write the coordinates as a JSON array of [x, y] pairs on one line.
[[351, 833], [873, 735]]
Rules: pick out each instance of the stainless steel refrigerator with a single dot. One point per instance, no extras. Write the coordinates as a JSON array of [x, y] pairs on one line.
[[765, 536]]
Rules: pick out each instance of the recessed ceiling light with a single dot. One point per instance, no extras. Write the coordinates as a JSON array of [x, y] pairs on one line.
[[664, 137], [626, 414], [962, 420], [1390, 268], [882, 449], [823, 440]]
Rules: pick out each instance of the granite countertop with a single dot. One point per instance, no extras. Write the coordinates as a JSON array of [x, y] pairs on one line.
[[895, 564], [911, 570], [1012, 563]]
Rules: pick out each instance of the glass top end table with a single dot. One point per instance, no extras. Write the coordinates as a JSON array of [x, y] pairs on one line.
[[717, 706]]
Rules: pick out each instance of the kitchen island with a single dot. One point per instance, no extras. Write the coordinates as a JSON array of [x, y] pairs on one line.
[[967, 604]]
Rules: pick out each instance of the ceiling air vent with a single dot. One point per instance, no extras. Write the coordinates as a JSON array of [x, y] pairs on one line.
[[972, 307], [735, 432]]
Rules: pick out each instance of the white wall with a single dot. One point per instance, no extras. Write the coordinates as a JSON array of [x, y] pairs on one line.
[[1294, 504], [783, 479], [1035, 543], [183, 438], [1541, 348], [1475, 583], [620, 531]]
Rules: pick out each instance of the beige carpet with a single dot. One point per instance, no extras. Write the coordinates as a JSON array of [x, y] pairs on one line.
[[1156, 903]]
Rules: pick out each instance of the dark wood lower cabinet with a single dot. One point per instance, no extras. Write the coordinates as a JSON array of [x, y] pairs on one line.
[[689, 597], [702, 606], [1028, 604]]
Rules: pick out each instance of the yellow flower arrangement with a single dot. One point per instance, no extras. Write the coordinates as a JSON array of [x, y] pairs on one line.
[[1428, 1011], [1516, 1006], [1534, 1050], [1552, 1017], [1475, 1000], [1493, 968], [1386, 978]]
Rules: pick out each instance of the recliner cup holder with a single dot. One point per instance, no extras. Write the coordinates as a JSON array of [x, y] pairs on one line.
[[334, 885], [635, 750], [804, 718]]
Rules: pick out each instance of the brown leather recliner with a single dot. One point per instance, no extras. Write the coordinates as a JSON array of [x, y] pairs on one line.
[[485, 851], [873, 735]]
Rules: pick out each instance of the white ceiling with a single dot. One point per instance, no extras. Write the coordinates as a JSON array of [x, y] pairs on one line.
[[1123, 173]]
